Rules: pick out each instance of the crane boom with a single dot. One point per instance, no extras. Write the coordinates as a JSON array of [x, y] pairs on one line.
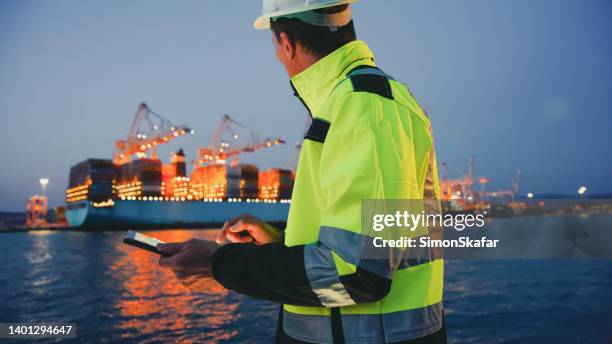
[[220, 150], [148, 130]]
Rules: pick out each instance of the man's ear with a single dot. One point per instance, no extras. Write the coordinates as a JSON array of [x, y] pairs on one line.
[[287, 46]]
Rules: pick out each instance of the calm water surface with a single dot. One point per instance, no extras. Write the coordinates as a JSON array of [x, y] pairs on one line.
[[114, 292]]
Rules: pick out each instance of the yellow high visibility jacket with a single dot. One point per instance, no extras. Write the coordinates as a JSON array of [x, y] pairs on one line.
[[369, 139]]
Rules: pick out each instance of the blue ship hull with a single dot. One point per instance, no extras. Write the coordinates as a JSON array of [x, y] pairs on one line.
[[168, 214]]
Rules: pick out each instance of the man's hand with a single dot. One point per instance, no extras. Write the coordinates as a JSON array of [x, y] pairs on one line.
[[190, 261], [246, 228]]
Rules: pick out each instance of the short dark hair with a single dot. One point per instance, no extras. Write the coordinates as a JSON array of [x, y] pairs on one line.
[[318, 40]]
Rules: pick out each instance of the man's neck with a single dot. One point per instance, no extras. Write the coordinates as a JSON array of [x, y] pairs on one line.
[[303, 63]]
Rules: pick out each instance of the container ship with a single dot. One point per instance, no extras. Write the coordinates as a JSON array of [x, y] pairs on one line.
[[135, 189]]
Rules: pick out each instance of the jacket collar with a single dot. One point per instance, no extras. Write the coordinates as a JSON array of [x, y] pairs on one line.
[[314, 84]]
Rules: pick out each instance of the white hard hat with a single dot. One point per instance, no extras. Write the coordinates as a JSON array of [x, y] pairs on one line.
[[281, 8]]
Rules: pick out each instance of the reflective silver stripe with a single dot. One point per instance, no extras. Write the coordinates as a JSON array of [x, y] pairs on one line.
[[421, 255], [353, 247], [359, 250], [416, 323], [323, 277], [308, 328], [367, 328]]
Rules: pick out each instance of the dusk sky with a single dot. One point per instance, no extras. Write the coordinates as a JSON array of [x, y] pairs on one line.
[[518, 83]]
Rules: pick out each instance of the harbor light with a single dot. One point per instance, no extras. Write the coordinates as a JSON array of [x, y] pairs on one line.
[[582, 190], [530, 195], [43, 182]]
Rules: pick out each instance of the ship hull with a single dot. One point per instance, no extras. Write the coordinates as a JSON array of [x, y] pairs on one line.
[[167, 214]]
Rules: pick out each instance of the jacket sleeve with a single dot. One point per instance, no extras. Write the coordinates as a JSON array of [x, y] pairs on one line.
[[276, 273]]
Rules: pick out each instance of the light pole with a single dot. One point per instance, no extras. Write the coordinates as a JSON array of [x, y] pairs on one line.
[[43, 182]]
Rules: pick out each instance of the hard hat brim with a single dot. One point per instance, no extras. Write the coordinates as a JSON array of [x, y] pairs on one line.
[[263, 22]]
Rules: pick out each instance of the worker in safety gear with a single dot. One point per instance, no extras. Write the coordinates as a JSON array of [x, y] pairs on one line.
[[369, 139]]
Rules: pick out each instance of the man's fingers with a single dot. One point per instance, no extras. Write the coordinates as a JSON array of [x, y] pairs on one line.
[[232, 221], [222, 234], [167, 262], [241, 226], [170, 249], [245, 218], [237, 237], [237, 227]]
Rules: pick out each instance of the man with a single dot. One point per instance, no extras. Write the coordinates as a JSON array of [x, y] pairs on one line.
[[369, 140]]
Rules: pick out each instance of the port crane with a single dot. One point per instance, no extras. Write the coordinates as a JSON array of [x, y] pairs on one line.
[[511, 193], [148, 130], [226, 143], [461, 190], [291, 163]]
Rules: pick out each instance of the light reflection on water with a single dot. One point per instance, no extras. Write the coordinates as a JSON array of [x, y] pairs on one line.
[[116, 292], [154, 300]]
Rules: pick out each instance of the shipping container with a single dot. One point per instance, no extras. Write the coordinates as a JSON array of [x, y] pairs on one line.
[[143, 177], [221, 181], [91, 179], [275, 184]]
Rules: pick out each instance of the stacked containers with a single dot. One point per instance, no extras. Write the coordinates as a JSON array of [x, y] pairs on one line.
[[198, 182], [275, 184], [249, 183], [243, 181], [174, 182], [98, 174], [168, 174], [209, 182], [146, 171], [285, 188]]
